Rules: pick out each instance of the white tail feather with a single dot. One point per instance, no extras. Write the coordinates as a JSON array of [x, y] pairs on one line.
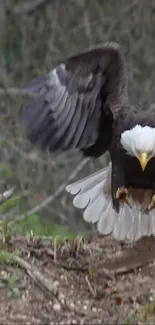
[[82, 200], [93, 193], [87, 183], [90, 214]]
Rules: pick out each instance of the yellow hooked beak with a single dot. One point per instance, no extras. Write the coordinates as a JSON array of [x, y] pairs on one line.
[[144, 159]]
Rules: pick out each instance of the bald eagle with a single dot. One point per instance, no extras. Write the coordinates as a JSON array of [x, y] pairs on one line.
[[83, 103]]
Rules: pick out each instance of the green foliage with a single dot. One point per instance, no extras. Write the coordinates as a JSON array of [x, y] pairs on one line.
[[5, 171], [12, 44], [92, 273], [13, 290], [11, 283], [34, 225], [6, 231], [99, 249], [146, 314], [7, 257], [14, 201], [143, 315], [130, 320], [2, 140]]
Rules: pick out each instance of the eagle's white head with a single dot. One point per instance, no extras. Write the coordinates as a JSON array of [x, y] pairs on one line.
[[140, 142]]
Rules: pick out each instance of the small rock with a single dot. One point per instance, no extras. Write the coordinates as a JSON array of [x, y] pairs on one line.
[[62, 298], [72, 305], [86, 302], [57, 307], [94, 309], [4, 274], [61, 295], [55, 284]]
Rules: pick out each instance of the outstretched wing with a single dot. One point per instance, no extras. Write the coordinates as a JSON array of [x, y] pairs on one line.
[[77, 102]]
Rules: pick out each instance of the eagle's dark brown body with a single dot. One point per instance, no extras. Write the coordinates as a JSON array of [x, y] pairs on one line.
[[135, 177]]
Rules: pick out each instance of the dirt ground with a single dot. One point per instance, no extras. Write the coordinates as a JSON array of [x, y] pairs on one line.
[[102, 281]]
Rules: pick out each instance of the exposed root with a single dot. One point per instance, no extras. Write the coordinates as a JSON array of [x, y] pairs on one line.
[[45, 284]]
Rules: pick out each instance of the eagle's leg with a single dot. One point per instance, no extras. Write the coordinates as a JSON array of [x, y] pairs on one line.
[[122, 195], [151, 205], [118, 184]]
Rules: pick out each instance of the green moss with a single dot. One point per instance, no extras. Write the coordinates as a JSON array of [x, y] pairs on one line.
[[146, 314]]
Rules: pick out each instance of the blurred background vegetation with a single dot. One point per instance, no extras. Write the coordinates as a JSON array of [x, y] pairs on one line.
[[35, 36]]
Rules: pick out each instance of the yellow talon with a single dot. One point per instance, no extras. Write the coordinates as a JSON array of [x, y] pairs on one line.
[[152, 203], [122, 195]]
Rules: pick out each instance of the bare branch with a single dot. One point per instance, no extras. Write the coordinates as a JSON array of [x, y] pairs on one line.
[[29, 7], [52, 197], [16, 91], [6, 195]]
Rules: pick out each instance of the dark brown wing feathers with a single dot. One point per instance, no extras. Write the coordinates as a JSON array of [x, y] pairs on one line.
[[76, 103]]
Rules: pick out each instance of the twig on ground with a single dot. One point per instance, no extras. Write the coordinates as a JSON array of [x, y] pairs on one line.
[[55, 250], [72, 268], [92, 291], [124, 269], [127, 264], [46, 284]]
